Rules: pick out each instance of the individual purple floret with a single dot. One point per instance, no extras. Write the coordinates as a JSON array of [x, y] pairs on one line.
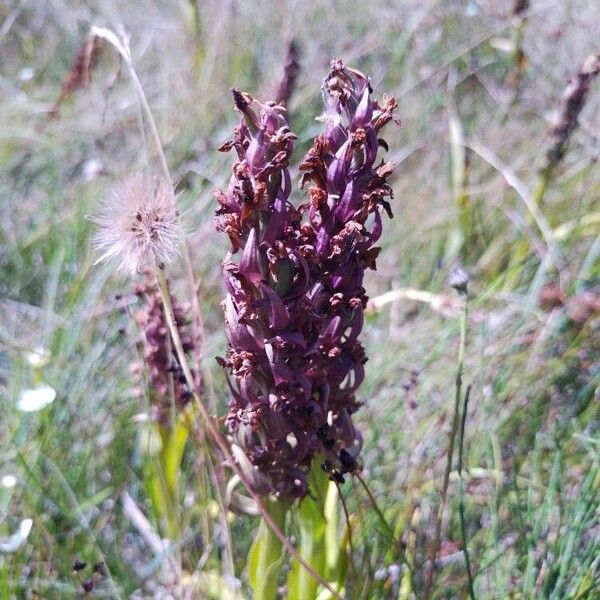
[[295, 301]]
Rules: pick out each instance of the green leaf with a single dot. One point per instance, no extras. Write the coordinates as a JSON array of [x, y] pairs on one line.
[[172, 455]]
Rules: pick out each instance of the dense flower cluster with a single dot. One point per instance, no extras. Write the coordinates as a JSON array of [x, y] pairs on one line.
[[160, 360], [295, 299]]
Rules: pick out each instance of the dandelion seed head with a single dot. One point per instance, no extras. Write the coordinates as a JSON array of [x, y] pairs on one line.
[[137, 224]]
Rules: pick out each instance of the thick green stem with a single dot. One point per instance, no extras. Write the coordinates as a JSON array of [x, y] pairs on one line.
[[161, 487], [266, 554], [310, 517]]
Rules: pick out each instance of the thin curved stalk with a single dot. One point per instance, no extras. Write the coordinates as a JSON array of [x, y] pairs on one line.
[[125, 52]]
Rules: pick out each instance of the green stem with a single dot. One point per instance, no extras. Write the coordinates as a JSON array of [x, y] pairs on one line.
[[522, 249], [265, 556], [310, 517], [455, 424], [461, 501], [161, 493], [350, 551]]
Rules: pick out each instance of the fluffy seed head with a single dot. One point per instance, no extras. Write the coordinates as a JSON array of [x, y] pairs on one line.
[[137, 224]]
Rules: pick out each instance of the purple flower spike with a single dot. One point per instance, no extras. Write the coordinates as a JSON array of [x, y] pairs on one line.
[[295, 301]]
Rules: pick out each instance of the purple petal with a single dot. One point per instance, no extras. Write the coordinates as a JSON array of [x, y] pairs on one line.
[[250, 262], [281, 372], [364, 111], [279, 317]]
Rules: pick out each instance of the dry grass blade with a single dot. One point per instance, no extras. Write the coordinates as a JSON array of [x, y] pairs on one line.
[[523, 193]]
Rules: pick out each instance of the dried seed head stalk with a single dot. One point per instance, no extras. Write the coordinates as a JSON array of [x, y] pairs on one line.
[[80, 72], [137, 224], [571, 104], [160, 359], [519, 7], [295, 301], [290, 74]]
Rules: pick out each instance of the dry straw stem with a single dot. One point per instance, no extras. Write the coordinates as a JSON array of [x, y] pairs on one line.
[[553, 252], [445, 305], [143, 526], [519, 187], [459, 170], [123, 49]]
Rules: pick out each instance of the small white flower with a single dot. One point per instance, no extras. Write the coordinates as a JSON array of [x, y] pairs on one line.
[[34, 399], [91, 169], [18, 538], [8, 481], [26, 74], [37, 358], [137, 224]]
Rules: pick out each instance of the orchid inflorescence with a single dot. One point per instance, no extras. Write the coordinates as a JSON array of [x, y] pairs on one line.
[[295, 298]]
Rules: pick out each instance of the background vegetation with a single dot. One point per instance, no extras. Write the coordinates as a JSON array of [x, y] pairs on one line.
[[477, 84]]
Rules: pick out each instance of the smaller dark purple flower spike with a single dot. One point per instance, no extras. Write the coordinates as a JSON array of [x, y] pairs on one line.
[[295, 300], [160, 360]]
